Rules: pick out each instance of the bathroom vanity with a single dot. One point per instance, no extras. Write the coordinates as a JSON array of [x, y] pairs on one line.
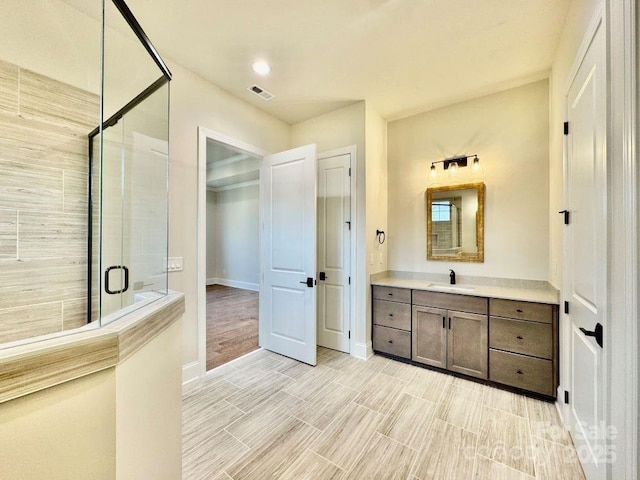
[[501, 335]]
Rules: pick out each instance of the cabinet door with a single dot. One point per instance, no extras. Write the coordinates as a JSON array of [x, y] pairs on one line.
[[429, 340], [467, 346]]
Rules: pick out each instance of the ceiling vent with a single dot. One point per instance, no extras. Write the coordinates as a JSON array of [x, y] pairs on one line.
[[261, 92]]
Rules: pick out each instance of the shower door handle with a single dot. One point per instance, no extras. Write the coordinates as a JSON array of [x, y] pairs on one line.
[[126, 279]]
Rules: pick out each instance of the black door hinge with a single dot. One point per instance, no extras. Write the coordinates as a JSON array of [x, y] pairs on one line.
[[566, 397], [349, 171], [566, 307], [566, 128], [349, 280], [349, 334], [566, 216]]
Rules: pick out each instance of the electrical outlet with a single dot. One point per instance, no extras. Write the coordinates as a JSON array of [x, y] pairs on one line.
[[174, 264]]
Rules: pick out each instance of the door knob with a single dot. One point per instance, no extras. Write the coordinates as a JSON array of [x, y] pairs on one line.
[[308, 282], [598, 333]]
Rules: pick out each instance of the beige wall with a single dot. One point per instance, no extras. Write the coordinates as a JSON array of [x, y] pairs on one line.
[[62, 433], [123, 422], [376, 207], [342, 128], [578, 19], [196, 102], [509, 132]]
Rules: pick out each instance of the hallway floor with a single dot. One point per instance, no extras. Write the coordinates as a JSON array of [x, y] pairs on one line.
[[267, 416], [232, 324]]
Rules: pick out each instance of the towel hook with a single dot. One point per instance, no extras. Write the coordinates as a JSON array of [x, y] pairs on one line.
[[381, 236]]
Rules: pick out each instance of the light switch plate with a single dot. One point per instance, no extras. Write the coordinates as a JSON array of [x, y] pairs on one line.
[[174, 264]]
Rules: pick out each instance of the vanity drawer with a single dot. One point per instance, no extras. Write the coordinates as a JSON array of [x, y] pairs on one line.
[[521, 337], [537, 312], [520, 371], [392, 293], [450, 301], [392, 314], [392, 341]]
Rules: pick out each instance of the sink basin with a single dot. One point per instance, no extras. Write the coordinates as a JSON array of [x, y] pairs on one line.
[[451, 288]]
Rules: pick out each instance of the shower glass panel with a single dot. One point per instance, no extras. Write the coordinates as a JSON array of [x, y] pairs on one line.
[[132, 173], [84, 120]]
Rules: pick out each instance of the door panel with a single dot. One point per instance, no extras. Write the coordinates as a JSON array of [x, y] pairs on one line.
[[467, 344], [585, 255], [334, 251], [429, 336], [288, 213]]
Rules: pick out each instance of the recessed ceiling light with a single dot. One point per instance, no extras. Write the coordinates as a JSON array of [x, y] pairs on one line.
[[261, 68]]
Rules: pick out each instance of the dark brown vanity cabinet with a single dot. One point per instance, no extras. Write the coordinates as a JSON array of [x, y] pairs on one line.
[[450, 331]]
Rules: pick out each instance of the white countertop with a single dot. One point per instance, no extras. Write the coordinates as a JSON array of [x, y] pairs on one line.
[[546, 294]]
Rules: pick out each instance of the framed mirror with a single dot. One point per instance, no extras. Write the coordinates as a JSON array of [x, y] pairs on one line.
[[455, 223]]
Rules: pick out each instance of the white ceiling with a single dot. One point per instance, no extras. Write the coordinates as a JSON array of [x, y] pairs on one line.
[[403, 56]]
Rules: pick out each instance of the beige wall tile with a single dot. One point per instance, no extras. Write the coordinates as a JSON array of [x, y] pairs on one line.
[[44, 144], [47, 99], [74, 313], [30, 187], [30, 321], [8, 234], [76, 193], [52, 235], [26, 282], [8, 87]]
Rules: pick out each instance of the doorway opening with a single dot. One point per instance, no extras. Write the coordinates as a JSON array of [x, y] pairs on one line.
[[231, 256]]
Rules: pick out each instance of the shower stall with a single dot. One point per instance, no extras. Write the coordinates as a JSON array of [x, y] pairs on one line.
[[84, 131]]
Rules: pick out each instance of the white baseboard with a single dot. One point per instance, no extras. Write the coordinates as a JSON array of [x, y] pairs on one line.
[[362, 350], [190, 376], [234, 283]]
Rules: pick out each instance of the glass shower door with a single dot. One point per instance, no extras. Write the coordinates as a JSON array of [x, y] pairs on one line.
[[134, 177]]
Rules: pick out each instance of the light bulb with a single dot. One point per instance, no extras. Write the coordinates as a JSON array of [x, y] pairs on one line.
[[433, 172], [453, 168], [261, 68], [476, 165]]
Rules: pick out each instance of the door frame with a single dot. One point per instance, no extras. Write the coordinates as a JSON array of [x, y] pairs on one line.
[[351, 151], [205, 134], [620, 23]]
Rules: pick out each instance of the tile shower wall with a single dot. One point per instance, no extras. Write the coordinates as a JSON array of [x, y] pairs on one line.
[[43, 203]]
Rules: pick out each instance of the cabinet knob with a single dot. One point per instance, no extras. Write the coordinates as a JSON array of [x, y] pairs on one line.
[[391, 314], [519, 310], [519, 337], [390, 294], [390, 341], [519, 372]]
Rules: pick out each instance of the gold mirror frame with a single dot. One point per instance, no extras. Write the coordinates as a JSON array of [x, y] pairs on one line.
[[477, 257]]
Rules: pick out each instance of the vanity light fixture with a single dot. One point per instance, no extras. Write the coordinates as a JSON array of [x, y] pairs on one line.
[[453, 164]]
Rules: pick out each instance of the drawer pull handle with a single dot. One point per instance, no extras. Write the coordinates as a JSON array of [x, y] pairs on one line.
[[519, 337], [390, 294], [391, 314], [519, 372], [390, 341], [519, 310]]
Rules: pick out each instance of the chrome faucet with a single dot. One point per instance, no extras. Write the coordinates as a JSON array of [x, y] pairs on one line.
[[452, 276]]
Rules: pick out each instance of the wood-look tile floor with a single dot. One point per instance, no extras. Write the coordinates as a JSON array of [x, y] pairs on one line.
[[266, 416], [232, 324]]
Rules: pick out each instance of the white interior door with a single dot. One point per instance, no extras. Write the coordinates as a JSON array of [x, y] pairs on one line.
[[585, 250], [287, 291], [334, 251]]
